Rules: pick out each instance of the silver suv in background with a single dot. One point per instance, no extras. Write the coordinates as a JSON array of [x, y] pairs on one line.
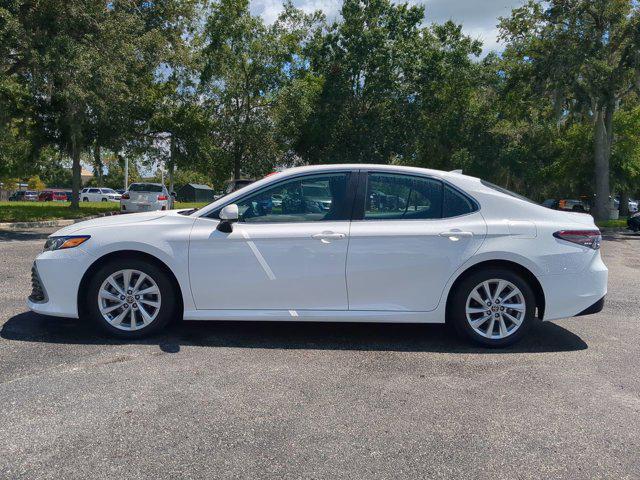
[[99, 195], [146, 197]]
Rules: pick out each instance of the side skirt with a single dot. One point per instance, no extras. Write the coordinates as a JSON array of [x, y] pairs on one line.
[[317, 316]]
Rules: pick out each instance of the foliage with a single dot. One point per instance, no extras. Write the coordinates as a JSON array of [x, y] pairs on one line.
[[209, 91], [584, 57], [34, 183]]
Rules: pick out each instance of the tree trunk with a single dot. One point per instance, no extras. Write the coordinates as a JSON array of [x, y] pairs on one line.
[[602, 152], [171, 164], [97, 164], [76, 171], [236, 165], [624, 204]]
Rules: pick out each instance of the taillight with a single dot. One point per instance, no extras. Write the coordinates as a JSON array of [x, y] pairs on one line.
[[125, 196], [162, 197], [585, 238]]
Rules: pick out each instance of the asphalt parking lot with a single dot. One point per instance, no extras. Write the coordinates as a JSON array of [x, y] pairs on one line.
[[286, 400]]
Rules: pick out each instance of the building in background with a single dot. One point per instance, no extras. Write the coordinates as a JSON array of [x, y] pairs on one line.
[[195, 192]]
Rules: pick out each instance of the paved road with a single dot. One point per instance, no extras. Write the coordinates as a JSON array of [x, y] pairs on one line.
[[278, 400]]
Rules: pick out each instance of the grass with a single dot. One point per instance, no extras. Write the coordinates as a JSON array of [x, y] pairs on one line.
[[39, 211], [620, 223]]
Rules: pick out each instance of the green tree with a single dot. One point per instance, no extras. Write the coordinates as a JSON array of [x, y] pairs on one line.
[[90, 65], [246, 65], [584, 55], [34, 183]]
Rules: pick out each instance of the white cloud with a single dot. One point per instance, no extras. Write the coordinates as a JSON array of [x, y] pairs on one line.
[[478, 17]]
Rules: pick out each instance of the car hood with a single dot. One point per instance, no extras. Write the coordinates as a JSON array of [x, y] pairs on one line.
[[113, 221]]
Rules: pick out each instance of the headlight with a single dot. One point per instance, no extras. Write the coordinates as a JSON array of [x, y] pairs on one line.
[[70, 241]]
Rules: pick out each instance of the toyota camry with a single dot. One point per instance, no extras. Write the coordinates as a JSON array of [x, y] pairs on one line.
[[352, 243]]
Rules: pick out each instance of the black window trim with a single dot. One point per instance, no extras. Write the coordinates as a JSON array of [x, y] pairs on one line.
[[358, 215], [352, 184]]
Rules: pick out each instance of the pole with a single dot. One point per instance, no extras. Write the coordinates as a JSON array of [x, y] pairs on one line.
[[126, 173]]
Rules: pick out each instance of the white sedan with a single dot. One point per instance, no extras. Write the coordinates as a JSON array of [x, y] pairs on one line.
[[99, 195], [395, 244], [146, 197]]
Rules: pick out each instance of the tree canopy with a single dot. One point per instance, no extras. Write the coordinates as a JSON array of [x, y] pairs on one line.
[[208, 89]]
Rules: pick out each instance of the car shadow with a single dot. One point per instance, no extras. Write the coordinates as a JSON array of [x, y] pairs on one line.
[[543, 336]]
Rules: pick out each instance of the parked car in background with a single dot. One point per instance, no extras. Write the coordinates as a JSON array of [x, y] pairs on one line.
[[633, 222], [52, 196], [99, 195], [569, 205], [455, 249], [24, 196], [633, 205], [146, 197]]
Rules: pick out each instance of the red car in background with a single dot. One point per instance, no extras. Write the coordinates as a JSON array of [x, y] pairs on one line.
[[52, 196]]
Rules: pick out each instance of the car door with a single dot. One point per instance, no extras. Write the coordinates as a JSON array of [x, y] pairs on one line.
[[284, 255], [94, 195], [411, 233]]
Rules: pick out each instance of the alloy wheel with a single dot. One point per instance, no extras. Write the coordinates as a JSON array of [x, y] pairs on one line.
[[129, 300], [495, 309]]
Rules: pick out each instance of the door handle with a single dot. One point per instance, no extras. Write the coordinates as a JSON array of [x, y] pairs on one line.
[[324, 237], [456, 235]]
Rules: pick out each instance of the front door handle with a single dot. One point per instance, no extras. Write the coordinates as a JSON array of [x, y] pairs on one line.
[[456, 235], [325, 237]]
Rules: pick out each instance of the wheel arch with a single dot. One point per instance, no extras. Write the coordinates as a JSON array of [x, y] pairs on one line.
[[531, 279], [120, 254]]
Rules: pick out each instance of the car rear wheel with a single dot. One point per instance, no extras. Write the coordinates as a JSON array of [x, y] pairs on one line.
[[85, 199], [130, 298], [492, 307]]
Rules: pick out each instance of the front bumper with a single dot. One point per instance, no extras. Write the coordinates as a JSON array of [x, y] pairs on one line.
[[56, 279]]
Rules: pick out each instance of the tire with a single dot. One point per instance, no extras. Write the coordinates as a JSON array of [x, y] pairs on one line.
[[85, 199], [510, 325], [156, 279], [104, 199]]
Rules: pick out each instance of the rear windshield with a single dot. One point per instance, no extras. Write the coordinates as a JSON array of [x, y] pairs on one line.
[[145, 187], [507, 192]]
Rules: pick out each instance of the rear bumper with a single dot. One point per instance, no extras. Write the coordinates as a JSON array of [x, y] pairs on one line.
[[595, 308], [572, 294], [135, 207]]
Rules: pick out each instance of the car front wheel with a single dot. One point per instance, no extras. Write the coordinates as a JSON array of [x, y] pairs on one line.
[[492, 307], [130, 298]]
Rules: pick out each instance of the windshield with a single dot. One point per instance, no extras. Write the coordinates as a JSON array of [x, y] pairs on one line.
[[145, 187]]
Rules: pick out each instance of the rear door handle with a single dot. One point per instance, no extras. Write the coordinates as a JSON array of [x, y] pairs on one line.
[[324, 237], [456, 235]]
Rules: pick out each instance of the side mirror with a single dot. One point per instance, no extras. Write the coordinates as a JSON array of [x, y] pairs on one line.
[[228, 215]]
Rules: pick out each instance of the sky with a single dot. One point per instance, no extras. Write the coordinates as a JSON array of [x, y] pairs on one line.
[[478, 17]]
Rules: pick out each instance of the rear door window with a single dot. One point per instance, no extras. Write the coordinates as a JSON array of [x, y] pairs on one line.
[[456, 204], [402, 197]]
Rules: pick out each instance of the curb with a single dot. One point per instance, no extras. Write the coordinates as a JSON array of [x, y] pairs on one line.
[[50, 223]]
